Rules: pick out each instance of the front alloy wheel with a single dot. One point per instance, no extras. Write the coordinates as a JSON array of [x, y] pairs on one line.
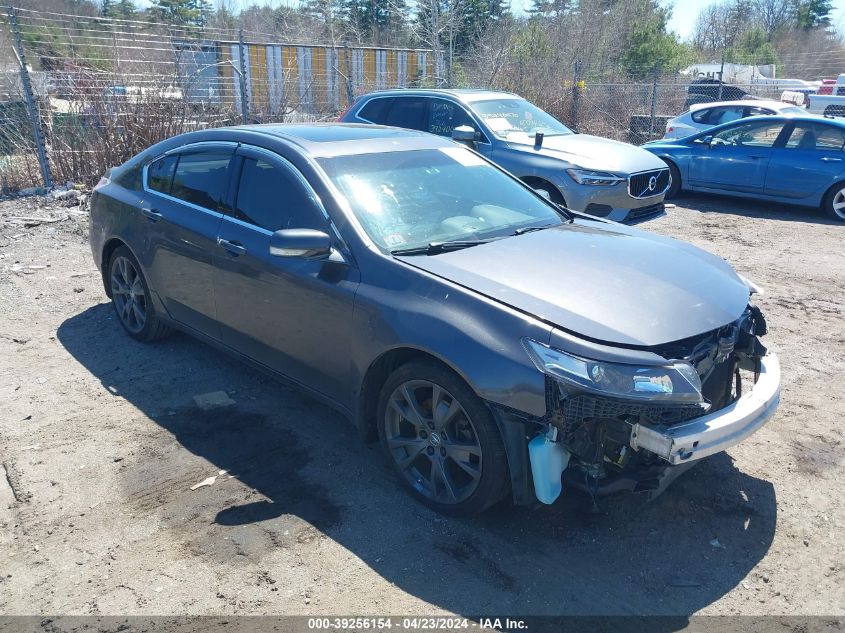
[[442, 440], [433, 442]]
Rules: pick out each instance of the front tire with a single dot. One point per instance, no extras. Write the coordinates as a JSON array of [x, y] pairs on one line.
[[834, 202], [675, 187], [442, 440], [131, 298]]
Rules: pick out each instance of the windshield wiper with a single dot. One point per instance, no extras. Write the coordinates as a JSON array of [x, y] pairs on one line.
[[531, 229], [433, 248]]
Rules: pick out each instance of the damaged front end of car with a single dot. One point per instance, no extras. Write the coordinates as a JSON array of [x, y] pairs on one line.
[[635, 425]]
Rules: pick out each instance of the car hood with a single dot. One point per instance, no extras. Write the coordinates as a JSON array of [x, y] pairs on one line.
[[605, 282], [593, 152]]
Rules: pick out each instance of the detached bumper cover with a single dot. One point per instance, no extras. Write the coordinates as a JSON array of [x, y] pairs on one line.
[[713, 433]]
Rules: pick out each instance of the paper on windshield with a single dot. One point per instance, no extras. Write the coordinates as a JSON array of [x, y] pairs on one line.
[[462, 156], [498, 124]]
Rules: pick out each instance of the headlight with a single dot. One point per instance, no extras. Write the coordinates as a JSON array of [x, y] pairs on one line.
[[675, 382], [589, 177]]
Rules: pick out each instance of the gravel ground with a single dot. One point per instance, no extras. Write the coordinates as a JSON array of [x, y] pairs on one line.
[[102, 446]]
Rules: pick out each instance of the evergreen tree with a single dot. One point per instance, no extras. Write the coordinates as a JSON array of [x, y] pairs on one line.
[[126, 10], [650, 48], [552, 8], [812, 14], [179, 12]]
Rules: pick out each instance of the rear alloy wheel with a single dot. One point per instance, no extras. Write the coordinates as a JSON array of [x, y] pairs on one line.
[[834, 203], [442, 440], [131, 298]]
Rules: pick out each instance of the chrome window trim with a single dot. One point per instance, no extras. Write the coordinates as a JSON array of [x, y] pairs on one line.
[[180, 150], [364, 103]]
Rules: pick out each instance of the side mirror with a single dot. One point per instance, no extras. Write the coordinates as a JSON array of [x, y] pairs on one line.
[[301, 244], [464, 134]]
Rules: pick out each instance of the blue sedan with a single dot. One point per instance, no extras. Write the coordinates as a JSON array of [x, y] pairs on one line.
[[789, 159]]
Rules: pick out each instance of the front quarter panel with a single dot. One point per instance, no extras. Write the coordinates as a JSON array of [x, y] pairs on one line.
[[401, 307]]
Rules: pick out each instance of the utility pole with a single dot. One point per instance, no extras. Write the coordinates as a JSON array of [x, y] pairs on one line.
[[34, 118]]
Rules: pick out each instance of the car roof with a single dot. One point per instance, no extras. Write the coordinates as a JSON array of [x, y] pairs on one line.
[[343, 139], [775, 118], [467, 95], [771, 103]]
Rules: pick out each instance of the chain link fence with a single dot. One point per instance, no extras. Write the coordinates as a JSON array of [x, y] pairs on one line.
[[80, 94]]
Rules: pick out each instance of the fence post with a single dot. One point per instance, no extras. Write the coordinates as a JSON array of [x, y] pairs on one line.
[[653, 101], [350, 92], [34, 119], [242, 77], [576, 94]]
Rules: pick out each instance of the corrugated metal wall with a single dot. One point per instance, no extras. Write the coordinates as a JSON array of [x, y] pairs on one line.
[[282, 78]]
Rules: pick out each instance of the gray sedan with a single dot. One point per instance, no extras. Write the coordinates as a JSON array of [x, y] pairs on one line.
[[496, 344], [595, 175]]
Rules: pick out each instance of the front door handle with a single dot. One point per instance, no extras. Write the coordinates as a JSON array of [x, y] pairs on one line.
[[831, 159], [756, 156], [153, 215], [235, 248]]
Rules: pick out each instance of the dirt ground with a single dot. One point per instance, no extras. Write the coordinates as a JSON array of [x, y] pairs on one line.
[[102, 446]]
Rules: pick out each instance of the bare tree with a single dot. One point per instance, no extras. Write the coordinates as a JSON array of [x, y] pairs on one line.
[[774, 15]]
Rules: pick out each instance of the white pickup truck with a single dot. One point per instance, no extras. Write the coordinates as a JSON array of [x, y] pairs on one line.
[[832, 104]]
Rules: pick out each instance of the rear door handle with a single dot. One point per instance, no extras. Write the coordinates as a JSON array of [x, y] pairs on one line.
[[153, 215], [235, 248], [756, 156], [831, 159]]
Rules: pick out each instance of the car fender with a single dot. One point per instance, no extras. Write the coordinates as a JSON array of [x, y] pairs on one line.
[[478, 338]]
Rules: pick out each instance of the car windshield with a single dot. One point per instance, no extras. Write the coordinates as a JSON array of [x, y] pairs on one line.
[[793, 110], [411, 199], [517, 119]]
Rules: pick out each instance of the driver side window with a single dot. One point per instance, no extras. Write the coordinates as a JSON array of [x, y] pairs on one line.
[[754, 134], [444, 116], [273, 198]]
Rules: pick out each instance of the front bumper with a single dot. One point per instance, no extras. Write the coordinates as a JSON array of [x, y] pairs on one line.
[[611, 202], [713, 433]]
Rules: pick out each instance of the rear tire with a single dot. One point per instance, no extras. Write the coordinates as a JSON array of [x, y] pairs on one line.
[[442, 440], [675, 187], [834, 202], [540, 185], [131, 298]]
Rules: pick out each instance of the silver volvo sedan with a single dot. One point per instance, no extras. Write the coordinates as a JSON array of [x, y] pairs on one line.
[[585, 173]]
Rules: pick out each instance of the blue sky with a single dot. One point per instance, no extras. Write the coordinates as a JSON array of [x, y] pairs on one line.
[[686, 11]]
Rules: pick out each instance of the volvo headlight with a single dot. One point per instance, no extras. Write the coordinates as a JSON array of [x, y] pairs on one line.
[[677, 381], [590, 177]]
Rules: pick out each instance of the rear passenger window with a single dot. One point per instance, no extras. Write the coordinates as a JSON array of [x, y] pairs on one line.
[[700, 116], [274, 198], [201, 178], [375, 109], [811, 136], [407, 112], [160, 173]]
